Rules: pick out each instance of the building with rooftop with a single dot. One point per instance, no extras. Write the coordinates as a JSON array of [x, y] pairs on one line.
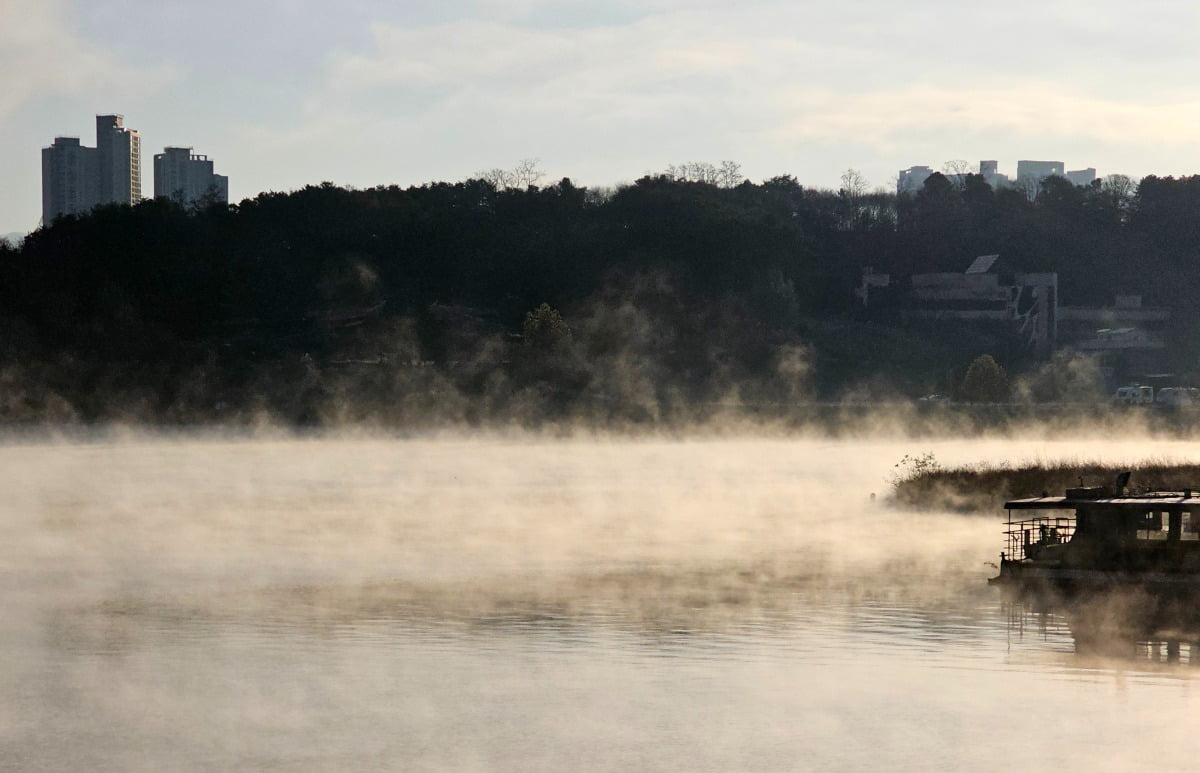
[[1039, 170], [910, 180], [70, 178], [188, 178], [1030, 175], [76, 178], [1127, 340], [990, 172], [1081, 177], [119, 157]]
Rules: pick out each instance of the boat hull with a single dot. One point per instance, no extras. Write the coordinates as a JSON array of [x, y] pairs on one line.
[[1022, 575]]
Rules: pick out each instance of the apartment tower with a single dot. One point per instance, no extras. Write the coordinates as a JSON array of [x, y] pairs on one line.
[[76, 178], [120, 161], [188, 178], [69, 179]]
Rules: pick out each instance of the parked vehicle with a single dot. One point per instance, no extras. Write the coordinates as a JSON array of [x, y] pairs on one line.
[[1134, 395], [1177, 396]]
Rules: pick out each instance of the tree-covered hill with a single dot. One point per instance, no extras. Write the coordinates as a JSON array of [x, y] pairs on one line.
[[408, 305]]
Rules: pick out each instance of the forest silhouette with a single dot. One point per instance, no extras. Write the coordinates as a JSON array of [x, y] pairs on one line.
[[476, 303]]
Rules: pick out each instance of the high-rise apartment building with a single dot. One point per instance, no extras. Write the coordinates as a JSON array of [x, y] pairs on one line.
[[70, 176], [188, 178], [120, 159], [76, 178]]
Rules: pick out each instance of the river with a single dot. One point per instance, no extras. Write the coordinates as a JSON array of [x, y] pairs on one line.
[[519, 603]]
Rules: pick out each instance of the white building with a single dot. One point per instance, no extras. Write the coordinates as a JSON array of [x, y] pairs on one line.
[[990, 171], [1029, 176], [188, 178], [1038, 170], [1083, 177], [911, 179]]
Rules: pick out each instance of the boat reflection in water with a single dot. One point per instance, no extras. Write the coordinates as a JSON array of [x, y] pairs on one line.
[[1120, 570], [1138, 626]]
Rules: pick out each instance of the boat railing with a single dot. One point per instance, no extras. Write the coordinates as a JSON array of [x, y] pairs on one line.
[[1025, 538]]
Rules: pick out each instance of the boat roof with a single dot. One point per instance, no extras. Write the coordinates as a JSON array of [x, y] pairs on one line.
[[1148, 499]]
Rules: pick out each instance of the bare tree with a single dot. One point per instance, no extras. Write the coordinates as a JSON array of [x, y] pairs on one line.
[[701, 172], [500, 179], [526, 173], [1120, 189], [523, 175], [854, 185], [730, 174], [956, 171], [853, 192], [1030, 186], [727, 175]]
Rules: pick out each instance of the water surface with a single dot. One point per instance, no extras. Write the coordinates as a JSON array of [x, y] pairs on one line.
[[530, 604]]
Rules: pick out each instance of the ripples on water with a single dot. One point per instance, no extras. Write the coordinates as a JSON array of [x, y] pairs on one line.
[[523, 604]]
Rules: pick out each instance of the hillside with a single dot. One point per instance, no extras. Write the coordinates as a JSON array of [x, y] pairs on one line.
[[414, 304]]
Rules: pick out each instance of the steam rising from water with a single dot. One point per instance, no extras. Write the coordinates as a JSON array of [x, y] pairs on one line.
[[442, 603]]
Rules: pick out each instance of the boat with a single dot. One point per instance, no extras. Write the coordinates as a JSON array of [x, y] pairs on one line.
[[1103, 537]]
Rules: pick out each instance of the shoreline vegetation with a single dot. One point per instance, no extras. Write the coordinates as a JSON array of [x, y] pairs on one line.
[[920, 482]]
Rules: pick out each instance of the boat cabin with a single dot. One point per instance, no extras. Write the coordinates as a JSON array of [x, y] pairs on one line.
[[1101, 532]]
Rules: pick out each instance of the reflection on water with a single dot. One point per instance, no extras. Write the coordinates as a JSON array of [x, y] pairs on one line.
[[519, 604], [1129, 628]]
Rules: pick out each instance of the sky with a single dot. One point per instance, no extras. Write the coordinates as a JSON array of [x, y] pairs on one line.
[[284, 93]]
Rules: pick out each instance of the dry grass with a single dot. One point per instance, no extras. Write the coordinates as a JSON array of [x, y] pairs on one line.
[[983, 488]]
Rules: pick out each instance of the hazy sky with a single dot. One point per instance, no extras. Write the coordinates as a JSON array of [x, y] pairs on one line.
[[281, 93]]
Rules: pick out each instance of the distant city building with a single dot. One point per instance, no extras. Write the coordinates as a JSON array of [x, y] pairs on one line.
[[76, 178], [1029, 176], [990, 172], [911, 179], [1083, 177], [70, 178], [1038, 170], [188, 178], [120, 160], [1025, 305], [1127, 340]]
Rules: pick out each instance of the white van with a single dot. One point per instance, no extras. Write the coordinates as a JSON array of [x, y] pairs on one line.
[[1176, 396], [1134, 395]]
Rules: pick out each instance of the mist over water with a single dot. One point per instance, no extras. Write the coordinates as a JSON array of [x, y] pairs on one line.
[[523, 603]]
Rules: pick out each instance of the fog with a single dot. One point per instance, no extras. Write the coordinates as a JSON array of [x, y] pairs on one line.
[[512, 601]]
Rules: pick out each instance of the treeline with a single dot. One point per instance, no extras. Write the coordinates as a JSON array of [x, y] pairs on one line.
[[330, 303]]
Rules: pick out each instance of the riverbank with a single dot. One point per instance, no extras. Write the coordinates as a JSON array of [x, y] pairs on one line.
[[921, 483]]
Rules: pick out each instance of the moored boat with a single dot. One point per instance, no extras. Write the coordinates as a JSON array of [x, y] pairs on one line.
[[1103, 537]]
